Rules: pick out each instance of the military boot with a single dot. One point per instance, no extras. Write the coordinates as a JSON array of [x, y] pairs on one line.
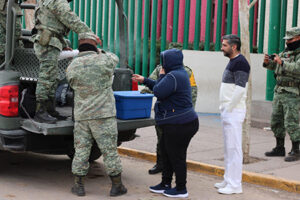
[[279, 150], [51, 110], [42, 116], [294, 155], [78, 188], [117, 187]]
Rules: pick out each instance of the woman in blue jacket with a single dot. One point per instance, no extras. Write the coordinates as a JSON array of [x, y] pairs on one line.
[[175, 114]]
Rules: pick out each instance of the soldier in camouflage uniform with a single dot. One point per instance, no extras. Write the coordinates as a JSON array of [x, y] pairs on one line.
[[286, 102], [3, 13], [53, 20], [154, 76], [90, 76]]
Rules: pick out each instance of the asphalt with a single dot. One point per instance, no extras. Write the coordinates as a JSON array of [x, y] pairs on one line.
[[205, 154]]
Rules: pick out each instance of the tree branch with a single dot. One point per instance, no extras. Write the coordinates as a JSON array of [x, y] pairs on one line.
[[252, 4]]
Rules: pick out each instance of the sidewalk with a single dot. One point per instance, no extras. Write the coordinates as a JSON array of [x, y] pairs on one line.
[[207, 147]]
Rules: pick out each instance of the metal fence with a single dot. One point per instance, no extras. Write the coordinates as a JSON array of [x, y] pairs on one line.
[[197, 24]]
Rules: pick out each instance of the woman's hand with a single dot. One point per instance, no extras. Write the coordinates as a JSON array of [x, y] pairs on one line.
[[138, 78], [162, 71]]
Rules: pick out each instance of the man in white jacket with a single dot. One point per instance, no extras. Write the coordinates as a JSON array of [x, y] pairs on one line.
[[233, 108]]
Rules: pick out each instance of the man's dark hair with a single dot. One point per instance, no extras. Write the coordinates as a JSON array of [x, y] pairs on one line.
[[233, 39]]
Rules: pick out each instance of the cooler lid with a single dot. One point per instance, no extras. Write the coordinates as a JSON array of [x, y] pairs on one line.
[[132, 94]]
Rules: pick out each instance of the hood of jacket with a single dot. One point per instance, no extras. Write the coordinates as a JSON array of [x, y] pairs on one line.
[[171, 59]]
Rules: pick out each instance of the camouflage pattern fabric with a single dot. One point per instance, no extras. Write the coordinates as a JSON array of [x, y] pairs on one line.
[[90, 76], [288, 72], [53, 20], [155, 75], [48, 75], [3, 7], [105, 133], [286, 102], [285, 115]]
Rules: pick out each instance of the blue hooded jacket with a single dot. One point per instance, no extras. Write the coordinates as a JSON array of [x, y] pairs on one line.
[[173, 91]]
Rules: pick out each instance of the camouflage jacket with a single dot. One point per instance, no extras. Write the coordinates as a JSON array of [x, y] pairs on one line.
[[288, 74], [3, 6], [54, 19], [155, 75], [90, 76]]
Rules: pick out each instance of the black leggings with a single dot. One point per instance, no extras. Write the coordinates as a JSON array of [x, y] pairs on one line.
[[174, 143]]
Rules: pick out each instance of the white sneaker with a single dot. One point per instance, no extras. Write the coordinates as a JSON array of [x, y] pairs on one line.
[[220, 185], [230, 190]]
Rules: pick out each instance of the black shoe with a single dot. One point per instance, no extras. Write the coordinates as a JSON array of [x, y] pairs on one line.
[[57, 115], [51, 110], [117, 187], [41, 115], [44, 117], [277, 151], [294, 155], [155, 169], [160, 188], [78, 188]]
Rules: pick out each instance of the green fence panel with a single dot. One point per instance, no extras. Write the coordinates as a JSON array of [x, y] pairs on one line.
[[208, 25], [88, 13], [219, 25], [70, 37], [153, 36], [186, 24], [146, 37], [131, 34], [164, 19], [251, 23], [273, 43], [82, 10], [106, 15], [197, 25], [295, 13], [100, 19], [94, 15], [112, 26], [138, 38], [75, 35], [282, 24], [229, 16], [261, 26], [175, 21]]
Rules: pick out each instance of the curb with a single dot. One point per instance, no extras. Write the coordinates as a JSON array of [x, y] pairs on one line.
[[249, 177]]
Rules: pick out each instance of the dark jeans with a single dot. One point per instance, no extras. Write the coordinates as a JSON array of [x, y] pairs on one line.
[[174, 143]]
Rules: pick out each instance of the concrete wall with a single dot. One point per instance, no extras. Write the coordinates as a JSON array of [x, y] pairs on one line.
[[208, 68]]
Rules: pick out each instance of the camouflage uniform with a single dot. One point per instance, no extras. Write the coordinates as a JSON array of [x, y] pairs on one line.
[[53, 20], [3, 12], [286, 102], [154, 76], [90, 76]]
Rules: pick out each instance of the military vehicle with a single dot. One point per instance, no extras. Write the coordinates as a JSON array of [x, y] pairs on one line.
[[18, 78]]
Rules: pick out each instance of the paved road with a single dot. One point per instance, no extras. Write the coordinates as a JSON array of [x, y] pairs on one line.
[[44, 177]]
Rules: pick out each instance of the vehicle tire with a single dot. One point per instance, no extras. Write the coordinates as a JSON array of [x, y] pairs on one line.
[[95, 153]]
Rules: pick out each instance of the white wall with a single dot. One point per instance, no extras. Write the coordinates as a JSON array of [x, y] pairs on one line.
[[208, 68]]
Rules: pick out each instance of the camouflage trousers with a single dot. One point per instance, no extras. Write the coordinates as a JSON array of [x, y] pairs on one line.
[[285, 115], [48, 75], [105, 133]]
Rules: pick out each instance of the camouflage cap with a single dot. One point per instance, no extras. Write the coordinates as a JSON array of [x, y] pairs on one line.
[[295, 31], [88, 35], [175, 45]]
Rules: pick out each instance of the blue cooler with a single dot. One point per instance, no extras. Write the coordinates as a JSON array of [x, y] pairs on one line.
[[133, 104]]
